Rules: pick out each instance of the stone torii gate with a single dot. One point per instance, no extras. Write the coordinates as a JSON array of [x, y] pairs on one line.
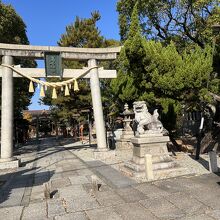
[[91, 55]]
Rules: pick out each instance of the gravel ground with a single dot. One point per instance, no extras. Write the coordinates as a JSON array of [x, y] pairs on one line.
[[185, 160]]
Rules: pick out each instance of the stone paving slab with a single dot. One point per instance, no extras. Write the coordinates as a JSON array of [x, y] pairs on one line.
[[58, 169], [110, 175], [56, 176], [151, 191], [60, 183], [81, 204], [104, 214], [73, 191], [108, 198], [10, 213], [130, 194], [188, 184], [212, 201], [103, 188], [35, 211], [86, 172], [56, 207], [78, 180], [37, 188], [169, 186], [99, 180], [37, 197], [197, 217], [214, 214], [131, 211], [212, 181], [41, 177], [186, 203], [162, 208], [69, 173], [72, 165], [12, 197], [72, 216]]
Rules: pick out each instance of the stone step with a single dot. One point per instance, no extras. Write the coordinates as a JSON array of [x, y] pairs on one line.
[[163, 165], [169, 173], [109, 175], [156, 166], [129, 172], [161, 158], [135, 166], [158, 174]]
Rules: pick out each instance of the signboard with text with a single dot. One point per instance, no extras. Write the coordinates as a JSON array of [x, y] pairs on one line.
[[53, 64]]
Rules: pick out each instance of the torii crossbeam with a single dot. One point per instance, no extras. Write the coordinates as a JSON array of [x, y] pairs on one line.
[[91, 55]]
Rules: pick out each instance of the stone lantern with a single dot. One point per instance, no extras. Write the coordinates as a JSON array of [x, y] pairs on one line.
[[127, 133]]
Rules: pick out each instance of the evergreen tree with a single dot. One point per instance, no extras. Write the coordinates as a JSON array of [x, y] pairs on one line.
[[13, 31], [161, 76], [131, 63], [83, 33], [183, 22]]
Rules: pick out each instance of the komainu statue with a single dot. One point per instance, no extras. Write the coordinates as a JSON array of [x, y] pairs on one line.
[[146, 123]]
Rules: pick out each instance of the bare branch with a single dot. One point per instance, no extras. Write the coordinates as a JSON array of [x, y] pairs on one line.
[[216, 97], [206, 9]]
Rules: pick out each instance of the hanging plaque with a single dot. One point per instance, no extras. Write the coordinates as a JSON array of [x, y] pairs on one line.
[[53, 64]]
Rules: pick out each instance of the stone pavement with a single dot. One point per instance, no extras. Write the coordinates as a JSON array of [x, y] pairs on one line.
[[22, 192]]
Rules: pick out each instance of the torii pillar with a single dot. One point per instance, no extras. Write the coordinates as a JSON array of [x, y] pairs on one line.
[[102, 150], [7, 160]]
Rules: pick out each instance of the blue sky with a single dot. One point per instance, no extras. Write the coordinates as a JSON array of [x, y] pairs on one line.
[[46, 21]]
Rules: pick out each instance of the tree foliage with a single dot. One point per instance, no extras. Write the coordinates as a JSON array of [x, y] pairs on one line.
[[13, 31], [12, 27], [83, 33], [161, 75], [181, 21]]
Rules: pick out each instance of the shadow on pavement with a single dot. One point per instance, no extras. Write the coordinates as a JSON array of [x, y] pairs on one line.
[[14, 182], [202, 161], [13, 186], [59, 145]]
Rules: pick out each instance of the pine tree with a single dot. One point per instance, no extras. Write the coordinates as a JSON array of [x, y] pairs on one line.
[[131, 65]]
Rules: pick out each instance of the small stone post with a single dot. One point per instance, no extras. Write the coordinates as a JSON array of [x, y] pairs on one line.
[[7, 116], [149, 167], [213, 162], [97, 107]]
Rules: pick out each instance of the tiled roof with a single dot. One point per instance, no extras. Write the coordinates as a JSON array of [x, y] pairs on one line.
[[37, 112]]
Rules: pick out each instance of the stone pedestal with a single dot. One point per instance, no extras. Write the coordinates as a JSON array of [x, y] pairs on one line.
[[13, 163], [151, 144], [127, 134], [124, 143]]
